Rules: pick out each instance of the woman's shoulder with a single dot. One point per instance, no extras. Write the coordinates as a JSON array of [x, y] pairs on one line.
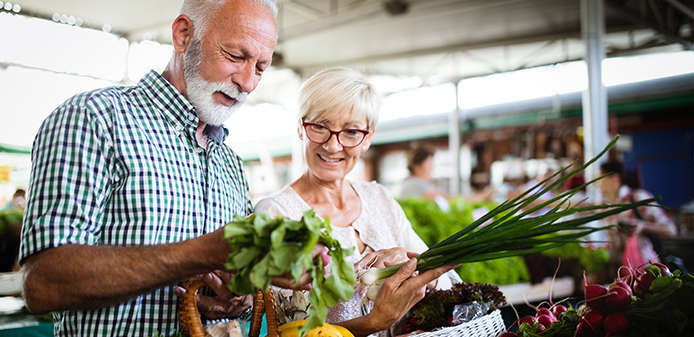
[[282, 202]]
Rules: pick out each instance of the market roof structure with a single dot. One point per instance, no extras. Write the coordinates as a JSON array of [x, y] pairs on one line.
[[428, 38]]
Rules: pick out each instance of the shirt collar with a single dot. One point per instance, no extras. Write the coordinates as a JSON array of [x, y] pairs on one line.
[[176, 108], [624, 190]]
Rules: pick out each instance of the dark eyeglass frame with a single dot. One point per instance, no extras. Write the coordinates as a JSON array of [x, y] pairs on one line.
[[336, 133]]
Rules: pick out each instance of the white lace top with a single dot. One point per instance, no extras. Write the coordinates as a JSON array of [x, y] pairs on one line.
[[382, 224]]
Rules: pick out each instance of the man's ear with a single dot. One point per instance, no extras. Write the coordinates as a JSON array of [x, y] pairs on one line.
[[181, 33]]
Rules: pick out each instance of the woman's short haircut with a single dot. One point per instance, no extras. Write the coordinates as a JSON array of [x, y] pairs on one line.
[[200, 12], [613, 167], [335, 91], [417, 155]]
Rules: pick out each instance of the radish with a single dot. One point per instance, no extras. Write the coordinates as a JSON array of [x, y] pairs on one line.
[[616, 324], [620, 284], [618, 299], [594, 319], [664, 270], [595, 296], [509, 334], [642, 284], [531, 320], [545, 320], [542, 311], [540, 328], [557, 310], [584, 330]]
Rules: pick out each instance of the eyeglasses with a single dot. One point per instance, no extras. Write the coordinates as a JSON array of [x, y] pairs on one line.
[[348, 138]]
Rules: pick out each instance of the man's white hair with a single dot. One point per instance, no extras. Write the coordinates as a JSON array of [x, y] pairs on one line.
[[200, 12]]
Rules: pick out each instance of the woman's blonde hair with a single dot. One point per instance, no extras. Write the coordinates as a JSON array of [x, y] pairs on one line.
[[337, 90]]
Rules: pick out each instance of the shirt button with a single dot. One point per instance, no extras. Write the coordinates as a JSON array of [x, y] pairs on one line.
[[198, 150]]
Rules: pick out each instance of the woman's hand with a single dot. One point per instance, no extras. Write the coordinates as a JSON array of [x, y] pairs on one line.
[[400, 292], [384, 258]]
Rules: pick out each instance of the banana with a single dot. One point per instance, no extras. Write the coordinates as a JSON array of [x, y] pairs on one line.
[[291, 329]]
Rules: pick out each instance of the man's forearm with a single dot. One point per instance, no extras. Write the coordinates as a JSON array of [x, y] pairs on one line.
[[78, 277]]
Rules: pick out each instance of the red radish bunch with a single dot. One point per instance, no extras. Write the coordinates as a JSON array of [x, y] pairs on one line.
[[544, 317], [606, 306], [604, 313]]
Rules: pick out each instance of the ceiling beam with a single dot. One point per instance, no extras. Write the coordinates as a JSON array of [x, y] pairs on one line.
[[654, 20], [507, 41]]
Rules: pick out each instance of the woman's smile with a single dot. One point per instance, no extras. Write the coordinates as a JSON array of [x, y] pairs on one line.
[[330, 160]]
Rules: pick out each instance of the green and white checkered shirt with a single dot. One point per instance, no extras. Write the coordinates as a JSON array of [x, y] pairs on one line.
[[121, 166]]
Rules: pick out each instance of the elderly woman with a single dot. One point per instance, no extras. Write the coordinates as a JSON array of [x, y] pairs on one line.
[[338, 112]]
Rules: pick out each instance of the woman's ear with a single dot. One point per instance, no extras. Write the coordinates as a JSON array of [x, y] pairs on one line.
[[181, 33], [367, 141], [300, 131]]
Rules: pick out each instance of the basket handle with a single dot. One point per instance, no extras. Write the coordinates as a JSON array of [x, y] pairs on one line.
[[189, 316]]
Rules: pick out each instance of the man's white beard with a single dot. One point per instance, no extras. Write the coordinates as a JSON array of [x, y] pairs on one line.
[[200, 91]]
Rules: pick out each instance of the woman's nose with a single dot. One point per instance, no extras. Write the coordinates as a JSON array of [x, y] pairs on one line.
[[332, 145]]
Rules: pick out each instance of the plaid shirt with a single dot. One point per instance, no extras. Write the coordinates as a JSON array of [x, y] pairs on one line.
[[121, 166]]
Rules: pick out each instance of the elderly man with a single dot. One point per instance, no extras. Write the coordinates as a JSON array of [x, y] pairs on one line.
[[130, 186]]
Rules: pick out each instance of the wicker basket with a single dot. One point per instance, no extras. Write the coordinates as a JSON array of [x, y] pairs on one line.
[[491, 325], [189, 316]]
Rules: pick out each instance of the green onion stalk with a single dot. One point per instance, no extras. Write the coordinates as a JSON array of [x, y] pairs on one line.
[[511, 232]]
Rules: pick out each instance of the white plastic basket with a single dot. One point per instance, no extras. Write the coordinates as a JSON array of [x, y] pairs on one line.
[[491, 325]]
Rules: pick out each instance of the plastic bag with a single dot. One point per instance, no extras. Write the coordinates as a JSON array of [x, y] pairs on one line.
[[633, 256]]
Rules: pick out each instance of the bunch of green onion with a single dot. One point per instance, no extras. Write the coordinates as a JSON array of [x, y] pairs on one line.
[[513, 232]]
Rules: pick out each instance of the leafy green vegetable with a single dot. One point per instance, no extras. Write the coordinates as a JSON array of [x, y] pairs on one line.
[[265, 247], [668, 311], [437, 306]]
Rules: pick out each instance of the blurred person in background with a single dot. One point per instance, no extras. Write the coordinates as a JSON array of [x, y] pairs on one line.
[[18, 200], [420, 184], [645, 223], [338, 112]]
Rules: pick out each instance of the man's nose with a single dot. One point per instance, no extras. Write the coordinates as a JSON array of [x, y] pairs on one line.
[[246, 78]]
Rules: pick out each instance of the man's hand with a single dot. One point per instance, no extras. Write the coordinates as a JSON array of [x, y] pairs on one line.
[[225, 303]]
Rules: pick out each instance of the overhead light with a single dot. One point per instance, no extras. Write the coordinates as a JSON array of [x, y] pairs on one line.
[[396, 7]]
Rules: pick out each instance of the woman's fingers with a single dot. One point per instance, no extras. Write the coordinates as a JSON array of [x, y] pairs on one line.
[[367, 261]]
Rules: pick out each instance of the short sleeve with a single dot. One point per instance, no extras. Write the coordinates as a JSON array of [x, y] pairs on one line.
[[69, 182]]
